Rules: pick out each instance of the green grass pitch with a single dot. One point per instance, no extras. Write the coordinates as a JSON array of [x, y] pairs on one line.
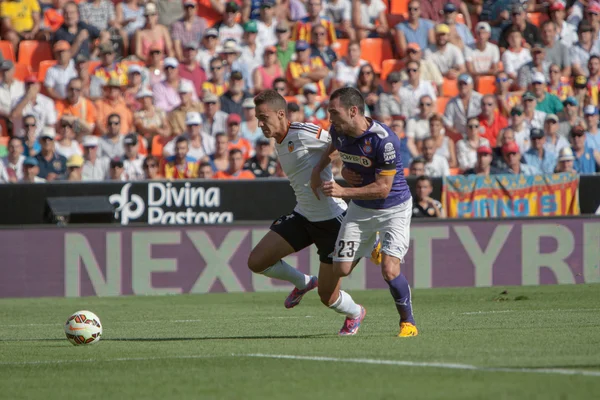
[[526, 343]]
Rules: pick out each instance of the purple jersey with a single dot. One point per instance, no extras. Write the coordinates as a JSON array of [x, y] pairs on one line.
[[377, 151]]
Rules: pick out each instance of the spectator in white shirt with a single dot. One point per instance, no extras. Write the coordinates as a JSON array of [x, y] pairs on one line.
[[519, 129], [252, 52], [132, 160], [435, 165], [201, 145], [369, 19], [340, 12], [533, 118], [208, 51], [446, 56], [66, 145], [464, 106], [228, 28], [466, 149], [417, 127], [581, 51], [482, 56], [554, 142], [95, 167], [11, 166], [11, 89], [565, 32], [59, 75], [413, 89], [346, 70], [516, 55], [267, 24], [33, 103]]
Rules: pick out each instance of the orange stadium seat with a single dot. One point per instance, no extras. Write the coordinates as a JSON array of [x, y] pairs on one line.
[[44, 66], [4, 136], [450, 87], [22, 71], [486, 84], [389, 66], [342, 47], [399, 7], [537, 18], [7, 50], [32, 53], [158, 144], [441, 104], [375, 51], [394, 19]]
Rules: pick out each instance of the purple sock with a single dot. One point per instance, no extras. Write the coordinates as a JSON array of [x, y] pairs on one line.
[[401, 293]]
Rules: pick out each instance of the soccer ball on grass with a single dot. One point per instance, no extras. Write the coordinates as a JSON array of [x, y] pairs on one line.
[[83, 327]]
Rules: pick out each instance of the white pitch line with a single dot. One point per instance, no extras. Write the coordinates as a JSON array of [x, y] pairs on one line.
[[530, 311], [556, 371], [74, 361]]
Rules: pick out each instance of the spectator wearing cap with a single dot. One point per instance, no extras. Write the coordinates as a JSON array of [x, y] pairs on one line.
[[520, 128], [166, 96], [580, 92], [264, 75], [176, 118], [482, 57], [592, 134], [190, 69], [529, 32], [320, 48], [490, 119], [418, 126], [593, 17], [538, 66], [286, 49], [116, 170], [466, 149], [446, 56], [340, 13], [424, 206], [58, 76], [587, 160], [303, 27], [565, 163], [431, 10], [208, 50], [33, 103], [428, 70], [594, 79], [249, 129], [389, 101], [109, 68], [456, 113], [11, 88], [76, 109], [74, 164], [95, 166], [214, 120], [235, 140], [188, 29], [132, 160], [538, 156], [231, 53], [534, 118], [306, 69], [135, 83], [20, 21], [570, 117], [460, 34], [483, 165], [228, 27], [267, 23], [130, 14], [369, 19], [262, 164], [414, 30], [216, 84], [554, 142], [435, 165], [111, 143], [413, 89], [31, 169], [31, 144], [566, 32], [52, 165], [235, 169], [515, 56], [11, 166], [150, 121], [546, 102], [154, 35], [512, 158], [113, 103], [556, 51], [66, 144], [180, 165], [200, 145], [582, 50], [346, 70], [251, 51], [557, 86], [76, 32], [232, 99]]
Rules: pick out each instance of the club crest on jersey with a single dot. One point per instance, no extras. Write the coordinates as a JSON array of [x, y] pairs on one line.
[[290, 146], [367, 148]]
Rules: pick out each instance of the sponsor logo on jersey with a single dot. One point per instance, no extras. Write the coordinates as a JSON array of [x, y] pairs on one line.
[[354, 159], [367, 148], [290, 146], [389, 153]]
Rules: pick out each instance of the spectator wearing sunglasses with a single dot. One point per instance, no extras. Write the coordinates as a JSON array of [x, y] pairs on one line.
[[504, 96], [466, 149], [320, 48], [208, 50], [587, 160], [491, 120], [111, 143], [456, 114], [554, 142], [519, 128], [460, 34], [217, 84], [538, 155], [482, 57], [418, 126], [570, 117], [95, 166], [413, 89], [415, 29], [67, 145], [76, 109], [518, 17], [428, 70]]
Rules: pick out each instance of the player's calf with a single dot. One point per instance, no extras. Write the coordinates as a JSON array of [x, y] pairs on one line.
[[399, 288]]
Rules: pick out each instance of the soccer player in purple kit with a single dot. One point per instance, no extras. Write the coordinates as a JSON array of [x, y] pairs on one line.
[[382, 202]]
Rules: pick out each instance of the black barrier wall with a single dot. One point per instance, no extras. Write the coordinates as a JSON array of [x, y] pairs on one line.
[[192, 202]]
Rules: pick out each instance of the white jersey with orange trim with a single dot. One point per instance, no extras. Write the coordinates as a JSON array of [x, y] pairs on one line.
[[299, 152]]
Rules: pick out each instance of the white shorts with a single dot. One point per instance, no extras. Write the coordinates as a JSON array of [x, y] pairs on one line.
[[359, 231]]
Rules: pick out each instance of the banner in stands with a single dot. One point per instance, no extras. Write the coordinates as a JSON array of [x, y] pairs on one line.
[[170, 259], [495, 196]]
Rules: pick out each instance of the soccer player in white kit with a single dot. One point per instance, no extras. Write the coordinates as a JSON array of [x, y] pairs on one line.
[[300, 147]]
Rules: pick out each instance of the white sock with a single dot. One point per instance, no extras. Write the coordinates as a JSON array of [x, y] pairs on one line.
[[346, 305], [285, 272]]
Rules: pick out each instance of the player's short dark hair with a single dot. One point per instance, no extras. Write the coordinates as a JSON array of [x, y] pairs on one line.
[[349, 97], [234, 151], [271, 98], [424, 178]]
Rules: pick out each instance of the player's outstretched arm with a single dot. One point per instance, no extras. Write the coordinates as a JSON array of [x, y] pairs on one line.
[[374, 191], [315, 178]]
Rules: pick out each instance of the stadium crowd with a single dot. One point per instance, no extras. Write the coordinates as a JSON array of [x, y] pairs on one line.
[[133, 90]]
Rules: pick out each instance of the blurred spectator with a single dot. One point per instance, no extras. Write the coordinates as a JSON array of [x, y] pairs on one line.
[[51, 164], [306, 69], [431, 9], [280, 86], [546, 102], [594, 79], [519, 22], [389, 101], [232, 99], [130, 14], [154, 65], [228, 27], [134, 86], [303, 26], [538, 156], [58, 76], [214, 120], [53, 15], [31, 145], [116, 170], [33, 103], [151, 168], [424, 206], [66, 145], [587, 160], [109, 68], [249, 128], [251, 52], [74, 164], [132, 160], [418, 126], [565, 161], [435, 165], [368, 85], [232, 62], [216, 84], [176, 118], [570, 118], [444, 146], [236, 163], [397, 126], [219, 161], [234, 138], [368, 19], [505, 98], [415, 29], [580, 92], [11, 89], [483, 165], [76, 32], [460, 34], [151, 121], [267, 24], [557, 86], [556, 51], [76, 109], [263, 164], [428, 70], [180, 165], [512, 158], [582, 50], [466, 149], [519, 128], [98, 13], [313, 109], [205, 171], [30, 171], [166, 95], [490, 119], [538, 65], [188, 29], [20, 20], [534, 118], [113, 103], [170, 11], [200, 145], [566, 33], [592, 134], [417, 167], [507, 135], [413, 89], [91, 86], [295, 113], [153, 36], [340, 13], [208, 50], [111, 143], [515, 56], [190, 69], [482, 57], [320, 48], [95, 167], [12, 164], [447, 57], [286, 49], [456, 114], [265, 75]]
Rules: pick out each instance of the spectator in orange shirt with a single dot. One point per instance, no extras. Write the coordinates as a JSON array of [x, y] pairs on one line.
[[306, 70], [53, 17], [235, 140], [76, 109], [490, 119], [303, 27], [235, 171], [113, 103]]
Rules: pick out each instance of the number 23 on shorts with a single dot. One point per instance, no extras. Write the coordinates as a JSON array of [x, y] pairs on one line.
[[346, 249]]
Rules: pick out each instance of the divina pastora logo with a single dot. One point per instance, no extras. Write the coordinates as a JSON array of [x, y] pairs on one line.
[[170, 205]]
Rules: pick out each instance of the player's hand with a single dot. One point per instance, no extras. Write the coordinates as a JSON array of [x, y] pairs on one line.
[[351, 177], [332, 189], [316, 182]]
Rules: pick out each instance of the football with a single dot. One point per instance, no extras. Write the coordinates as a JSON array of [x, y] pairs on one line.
[[83, 327]]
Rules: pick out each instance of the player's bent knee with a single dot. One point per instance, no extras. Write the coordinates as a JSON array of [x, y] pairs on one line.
[[390, 269], [342, 269], [327, 296], [256, 262]]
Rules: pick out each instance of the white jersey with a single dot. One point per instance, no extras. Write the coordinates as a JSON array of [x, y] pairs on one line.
[[299, 152]]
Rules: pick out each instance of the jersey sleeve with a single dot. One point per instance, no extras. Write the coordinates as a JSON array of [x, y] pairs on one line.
[[387, 156], [314, 137]]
